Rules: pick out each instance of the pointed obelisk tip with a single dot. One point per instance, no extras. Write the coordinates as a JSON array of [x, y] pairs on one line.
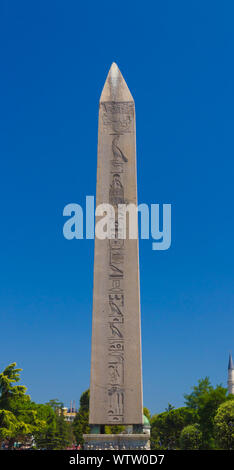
[[114, 65], [114, 69], [115, 88]]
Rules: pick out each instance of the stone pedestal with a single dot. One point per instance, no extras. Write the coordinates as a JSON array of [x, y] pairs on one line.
[[116, 442]]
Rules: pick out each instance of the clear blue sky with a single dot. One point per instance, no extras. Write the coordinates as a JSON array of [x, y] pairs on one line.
[[177, 58]]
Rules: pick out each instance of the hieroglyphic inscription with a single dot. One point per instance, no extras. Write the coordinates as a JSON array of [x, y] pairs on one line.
[[117, 119], [116, 316]]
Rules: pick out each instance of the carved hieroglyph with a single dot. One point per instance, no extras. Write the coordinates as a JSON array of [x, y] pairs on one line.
[[116, 373]]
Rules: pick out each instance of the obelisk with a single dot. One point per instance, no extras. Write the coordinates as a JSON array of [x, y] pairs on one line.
[[116, 370]]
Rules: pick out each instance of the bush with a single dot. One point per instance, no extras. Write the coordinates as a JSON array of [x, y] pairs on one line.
[[191, 437], [224, 425]]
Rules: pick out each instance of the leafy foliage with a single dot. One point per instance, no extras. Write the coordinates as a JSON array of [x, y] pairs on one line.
[[167, 426], [21, 418], [18, 414], [146, 412], [58, 433], [205, 399], [115, 429], [191, 437], [224, 425], [8, 424], [193, 399], [81, 421]]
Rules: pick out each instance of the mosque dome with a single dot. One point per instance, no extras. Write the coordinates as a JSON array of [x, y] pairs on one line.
[[146, 421]]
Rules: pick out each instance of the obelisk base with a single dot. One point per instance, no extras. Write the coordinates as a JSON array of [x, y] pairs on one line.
[[116, 441]]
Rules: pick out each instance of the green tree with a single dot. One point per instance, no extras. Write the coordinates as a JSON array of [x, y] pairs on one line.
[[169, 407], [146, 412], [46, 438], [193, 399], [81, 421], [191, 437], [58, 433], [84, 401], [63, 432], [224, 425], [205, 399], [10, 392], [114, 429], [21, 418], [13, 399], [55, 404], [167, 426], [8, 425]]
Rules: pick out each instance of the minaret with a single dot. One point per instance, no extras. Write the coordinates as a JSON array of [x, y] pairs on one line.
[[230, 375]]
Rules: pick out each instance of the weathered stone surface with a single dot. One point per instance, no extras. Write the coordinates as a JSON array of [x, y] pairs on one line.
[[117, 442], [116, 374]]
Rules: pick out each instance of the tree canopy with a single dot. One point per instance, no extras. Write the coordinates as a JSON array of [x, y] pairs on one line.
[[224, 425], [21, 419], [191, 437], [192, 426]]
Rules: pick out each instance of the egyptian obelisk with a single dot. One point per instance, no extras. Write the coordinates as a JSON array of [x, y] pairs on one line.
[[116, 371]]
